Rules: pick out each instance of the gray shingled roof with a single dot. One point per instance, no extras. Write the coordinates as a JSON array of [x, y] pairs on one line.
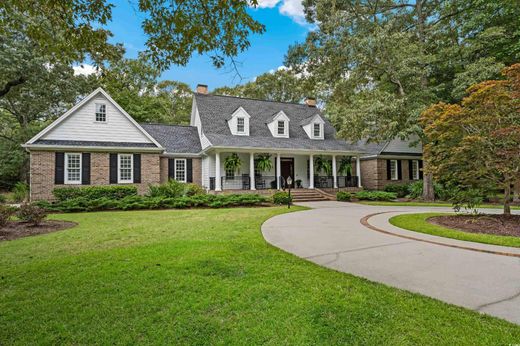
[[371, 148], [93, 143], [175, 138], [214, 111]]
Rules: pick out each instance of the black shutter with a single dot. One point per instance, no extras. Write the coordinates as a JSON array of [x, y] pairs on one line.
[[410, 169], [171, 169], [420, 169], [399, 170], [189, 171], [85, 168], [388, 170], [137, 168], [308, 169], [59, 168], [113, 168]]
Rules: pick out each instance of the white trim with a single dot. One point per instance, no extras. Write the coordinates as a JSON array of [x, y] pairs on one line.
[[396, 170], [81, 103], [66, 170], [185, 170], [45, 147], [417, 175], [119, 180], [96, 104], [243, 132]]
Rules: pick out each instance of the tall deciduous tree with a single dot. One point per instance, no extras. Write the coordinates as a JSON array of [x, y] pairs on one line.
[[477, 143], [382, 62]]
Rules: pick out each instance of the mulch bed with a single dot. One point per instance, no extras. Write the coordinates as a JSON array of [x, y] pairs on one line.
[[16, 229], [488, 224]]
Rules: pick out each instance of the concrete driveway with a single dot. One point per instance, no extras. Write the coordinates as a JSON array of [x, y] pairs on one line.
[[331, 235]]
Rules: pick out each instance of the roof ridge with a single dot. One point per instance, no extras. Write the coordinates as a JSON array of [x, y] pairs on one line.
[[254, 99], [161, 124]]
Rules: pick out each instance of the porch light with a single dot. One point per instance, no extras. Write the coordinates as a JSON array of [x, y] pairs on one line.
[[289, 183]]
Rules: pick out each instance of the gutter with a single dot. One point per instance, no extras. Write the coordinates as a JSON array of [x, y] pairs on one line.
[[29, 147]]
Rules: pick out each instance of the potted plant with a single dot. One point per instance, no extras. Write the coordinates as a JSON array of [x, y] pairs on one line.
[[264, 163], [298, 183], [322, 164], [232, 163]]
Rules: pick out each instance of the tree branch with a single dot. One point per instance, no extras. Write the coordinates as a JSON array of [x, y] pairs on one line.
[[11, 84]]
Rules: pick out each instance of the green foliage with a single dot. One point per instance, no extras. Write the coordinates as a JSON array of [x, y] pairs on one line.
[[345, 165], [20, 192], [31, 213], [467, 198], [264, 162], [5, 214], [172, 189], [375, 196], [192, 189], [3, 198], [343, 196], [281, 197], [135, 202], [415, 190], [321, 164], [94, 192], [232, 163], [401, 190]]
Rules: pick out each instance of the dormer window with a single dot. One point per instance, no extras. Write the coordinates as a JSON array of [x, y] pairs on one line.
[[101, 113], [281, 127], [240, 125], [317, 130]]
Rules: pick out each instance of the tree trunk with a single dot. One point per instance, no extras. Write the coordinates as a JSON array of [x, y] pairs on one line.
[[516, 193], [428, 192], [507, 200]]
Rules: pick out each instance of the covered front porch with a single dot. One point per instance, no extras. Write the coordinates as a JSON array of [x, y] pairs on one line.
[[255, 170]]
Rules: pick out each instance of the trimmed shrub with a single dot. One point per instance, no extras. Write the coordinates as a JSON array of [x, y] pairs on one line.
[[401, 190], [191, 189], [31, 214], [281, 198], [415, 189], [5, 214], [20, 192], [376, 195], [172, 188], [94, 192], [343, 196]]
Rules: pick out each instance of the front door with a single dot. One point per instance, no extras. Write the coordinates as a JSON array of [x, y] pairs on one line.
[[287, 169]]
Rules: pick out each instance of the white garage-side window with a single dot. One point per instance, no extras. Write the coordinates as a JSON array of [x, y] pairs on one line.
[[180, 170], [125, 168], [72, 168], [393, 170], [415, 169]]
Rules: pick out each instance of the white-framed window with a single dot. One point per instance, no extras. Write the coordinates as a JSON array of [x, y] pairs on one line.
[[72, 168], [230, 173], [394, 175], [125, 168], [415, 169], [317, 130], [180, 170], [281, 127], [241, 125], [101, 113]]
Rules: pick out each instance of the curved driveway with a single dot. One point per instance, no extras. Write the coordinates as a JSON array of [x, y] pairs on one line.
[[331, 235]]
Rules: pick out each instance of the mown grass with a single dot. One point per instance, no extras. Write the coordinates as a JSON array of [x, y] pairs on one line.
[[206, 277], [419, 223], [429, 204]]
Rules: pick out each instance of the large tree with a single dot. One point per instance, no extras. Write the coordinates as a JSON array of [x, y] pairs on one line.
[[382, 62], [477, 144]]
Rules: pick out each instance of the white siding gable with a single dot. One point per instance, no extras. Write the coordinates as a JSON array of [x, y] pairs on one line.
[[81, 125], [398, 145], [232, 123], [273, 125], [309, 128], [195, 121]]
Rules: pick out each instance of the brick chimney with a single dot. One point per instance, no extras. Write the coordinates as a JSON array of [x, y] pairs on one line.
[[202, 89], [310, 101]]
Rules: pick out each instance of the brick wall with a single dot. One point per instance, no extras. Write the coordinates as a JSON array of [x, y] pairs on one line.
[[374, 176], [196, 170], [42, 173]]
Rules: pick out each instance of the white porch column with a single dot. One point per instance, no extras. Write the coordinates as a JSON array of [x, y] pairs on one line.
[[334, 172], [311, 171], [218, 185], [278, 171], [358, 170], [252, 171]]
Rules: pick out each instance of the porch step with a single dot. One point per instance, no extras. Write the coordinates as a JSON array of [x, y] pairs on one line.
[[307, 196]]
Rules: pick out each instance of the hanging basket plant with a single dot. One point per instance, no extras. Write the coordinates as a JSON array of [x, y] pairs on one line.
[[345, 166], [323, 165], [264, 163], [232, 163]]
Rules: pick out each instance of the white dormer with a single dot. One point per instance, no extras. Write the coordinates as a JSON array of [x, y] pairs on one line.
[[314, 127], [279, 125], [239, 122]]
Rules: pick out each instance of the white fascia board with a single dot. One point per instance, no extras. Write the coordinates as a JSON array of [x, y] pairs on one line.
[[283, 150], [43, 147]]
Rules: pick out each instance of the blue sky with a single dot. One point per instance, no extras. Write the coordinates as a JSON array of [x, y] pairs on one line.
[[284, 26]]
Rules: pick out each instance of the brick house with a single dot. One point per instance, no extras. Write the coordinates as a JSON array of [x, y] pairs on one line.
[[97, 143]]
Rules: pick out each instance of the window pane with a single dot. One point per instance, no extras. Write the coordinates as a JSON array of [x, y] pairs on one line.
[[180, 170], [393, 169], [240, 124], [281, 127], [125, 168], [317, 131], [101, 114], [73, 167], [415, 169]]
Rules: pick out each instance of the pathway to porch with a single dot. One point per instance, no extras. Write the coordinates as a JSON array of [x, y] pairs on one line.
[[332, 235]]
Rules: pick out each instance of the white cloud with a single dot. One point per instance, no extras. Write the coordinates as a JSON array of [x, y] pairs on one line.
[[290, 8], [84, 69]]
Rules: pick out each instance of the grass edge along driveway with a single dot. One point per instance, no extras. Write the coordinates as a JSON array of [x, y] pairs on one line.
[[429, 204], [206, 277], [418, 223]]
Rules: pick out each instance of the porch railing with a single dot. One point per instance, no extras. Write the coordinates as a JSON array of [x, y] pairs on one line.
[[243, 182], [328, 181]]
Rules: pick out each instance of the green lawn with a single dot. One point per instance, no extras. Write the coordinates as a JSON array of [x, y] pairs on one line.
[[206, 277], [419, 223], [428, 204]]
